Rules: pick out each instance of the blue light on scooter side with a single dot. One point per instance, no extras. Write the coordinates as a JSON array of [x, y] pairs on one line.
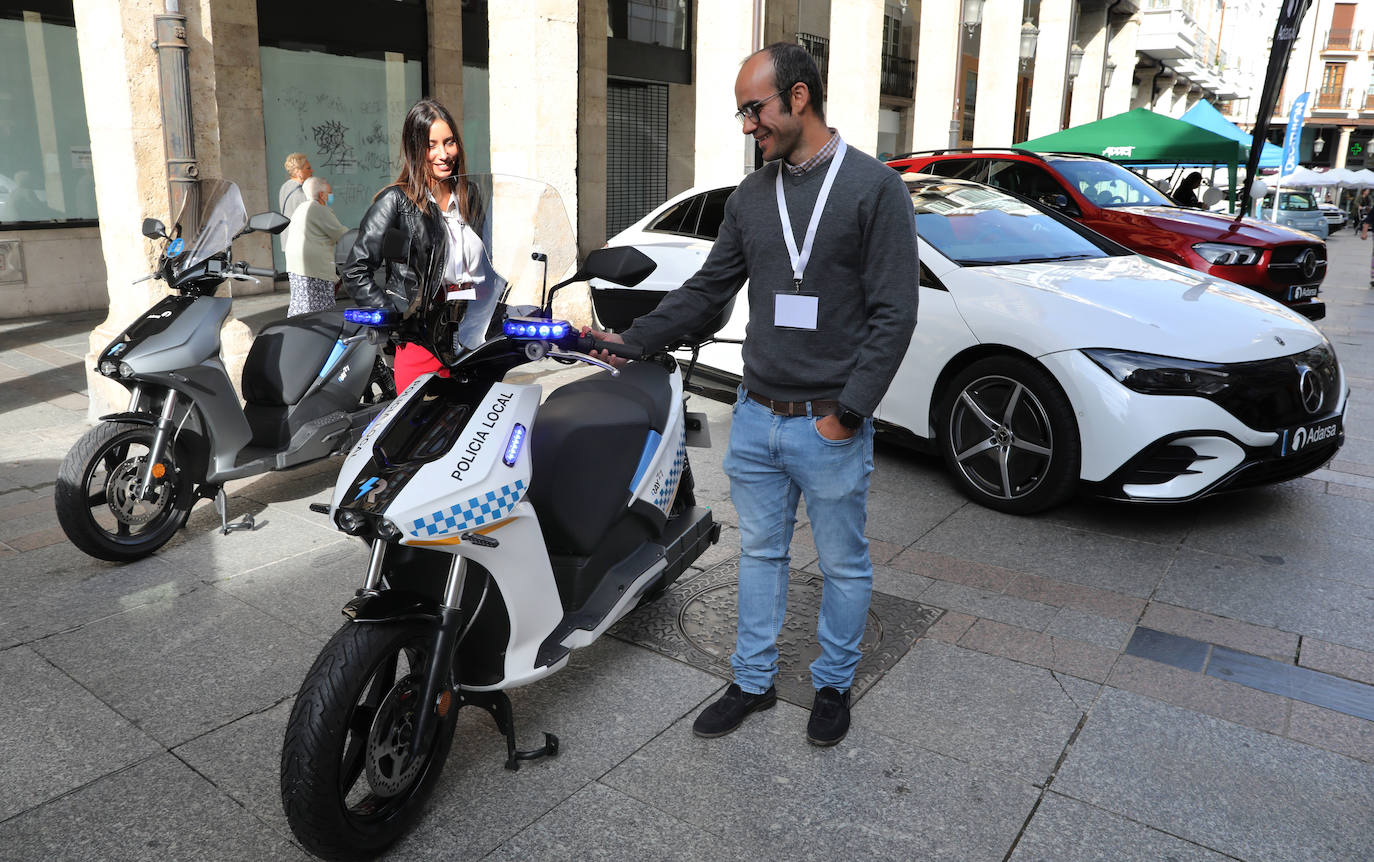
[[543, 330], [369, 316], [517, 440]]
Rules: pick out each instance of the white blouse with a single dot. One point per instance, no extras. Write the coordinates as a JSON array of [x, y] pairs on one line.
[[465, 250]]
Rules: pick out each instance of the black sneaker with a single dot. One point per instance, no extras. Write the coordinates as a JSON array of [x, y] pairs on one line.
[[729, 712], [829, 717]]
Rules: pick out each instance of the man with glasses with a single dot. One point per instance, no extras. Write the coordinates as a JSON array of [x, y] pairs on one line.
[[826, 237]]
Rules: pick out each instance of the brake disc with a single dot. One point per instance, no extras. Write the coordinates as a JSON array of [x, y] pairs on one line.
[[390, 768], [121, 494]]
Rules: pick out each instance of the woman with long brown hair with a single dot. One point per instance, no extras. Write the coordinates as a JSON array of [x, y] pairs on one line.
[[437, 214]]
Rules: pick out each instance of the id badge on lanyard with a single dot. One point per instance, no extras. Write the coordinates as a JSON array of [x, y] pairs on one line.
[[796, 308]]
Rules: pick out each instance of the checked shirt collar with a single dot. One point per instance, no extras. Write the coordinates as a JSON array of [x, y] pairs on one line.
[[822, 155]]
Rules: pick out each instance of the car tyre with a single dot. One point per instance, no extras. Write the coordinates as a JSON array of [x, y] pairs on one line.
[[1009, 436]]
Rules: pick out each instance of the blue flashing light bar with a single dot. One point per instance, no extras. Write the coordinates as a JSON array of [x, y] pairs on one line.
[[369, 316], [538, 329], [517, 440]]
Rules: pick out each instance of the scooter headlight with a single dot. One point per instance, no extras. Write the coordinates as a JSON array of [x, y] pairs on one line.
[[126, 370], [109, 369], [350, 522]]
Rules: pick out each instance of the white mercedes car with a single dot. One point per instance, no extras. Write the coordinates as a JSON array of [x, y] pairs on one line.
[[1047, 359]]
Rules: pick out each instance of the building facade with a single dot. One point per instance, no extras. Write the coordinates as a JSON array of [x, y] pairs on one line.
[[618, 103]]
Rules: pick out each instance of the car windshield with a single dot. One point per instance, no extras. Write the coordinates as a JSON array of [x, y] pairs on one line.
[[1108, 184], [1293, 201], [974, 225]]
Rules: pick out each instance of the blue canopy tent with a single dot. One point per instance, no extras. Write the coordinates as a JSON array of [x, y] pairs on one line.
[[1204, 116]]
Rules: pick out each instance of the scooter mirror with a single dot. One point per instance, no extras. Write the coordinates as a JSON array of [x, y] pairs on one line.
[[624, 265], [268, 222], [154, 229]]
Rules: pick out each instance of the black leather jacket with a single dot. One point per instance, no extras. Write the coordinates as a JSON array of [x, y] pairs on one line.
[[396, 283]]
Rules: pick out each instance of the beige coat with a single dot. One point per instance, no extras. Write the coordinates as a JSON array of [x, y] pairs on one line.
[[310, 241]]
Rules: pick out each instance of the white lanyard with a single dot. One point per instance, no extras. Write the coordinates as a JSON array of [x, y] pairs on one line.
[[799, 260]]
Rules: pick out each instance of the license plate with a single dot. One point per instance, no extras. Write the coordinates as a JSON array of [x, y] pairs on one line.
[[1302, 291], [1295, 441]]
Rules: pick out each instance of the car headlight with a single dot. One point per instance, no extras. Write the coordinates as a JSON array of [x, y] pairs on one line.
[[1160, 375], [1226, 254]]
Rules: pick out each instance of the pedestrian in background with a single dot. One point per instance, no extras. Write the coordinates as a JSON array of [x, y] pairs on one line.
[[292, 192], [1186, 193], [310, 249], [826, 237]]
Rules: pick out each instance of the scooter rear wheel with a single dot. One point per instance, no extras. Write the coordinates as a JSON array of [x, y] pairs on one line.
[[97, 499], [348, 785]]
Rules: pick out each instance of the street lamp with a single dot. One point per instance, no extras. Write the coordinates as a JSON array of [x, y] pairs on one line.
[[1318, 145], [1075, 60], [973, 14], [1029, 35]]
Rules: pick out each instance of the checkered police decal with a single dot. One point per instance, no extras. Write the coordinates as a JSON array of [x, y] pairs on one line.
[[668, 488], [489, 507]]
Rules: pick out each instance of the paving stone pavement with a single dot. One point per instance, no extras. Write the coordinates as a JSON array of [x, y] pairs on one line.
[[145, 704]]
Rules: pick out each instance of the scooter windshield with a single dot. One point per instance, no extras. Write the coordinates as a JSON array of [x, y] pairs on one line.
[[210, 224], [520, 242]]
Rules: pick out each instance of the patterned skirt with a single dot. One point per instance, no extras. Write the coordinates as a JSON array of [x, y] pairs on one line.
[[309, 294]]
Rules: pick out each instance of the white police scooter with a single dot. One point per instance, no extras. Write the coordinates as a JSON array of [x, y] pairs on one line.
[[504, 533]]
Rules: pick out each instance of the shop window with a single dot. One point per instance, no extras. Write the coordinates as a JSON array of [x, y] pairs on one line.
[[45, 145]]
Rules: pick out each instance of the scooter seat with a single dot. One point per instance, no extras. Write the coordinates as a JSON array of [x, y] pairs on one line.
[[584, 448], [287, 356]]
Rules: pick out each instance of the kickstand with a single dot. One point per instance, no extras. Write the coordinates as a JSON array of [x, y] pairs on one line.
[[225, 528], [497, 703]]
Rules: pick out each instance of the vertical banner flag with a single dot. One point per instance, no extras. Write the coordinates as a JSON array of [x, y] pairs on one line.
[[1293, 136], [1291, 13]]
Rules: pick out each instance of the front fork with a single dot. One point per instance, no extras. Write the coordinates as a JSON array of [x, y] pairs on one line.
[[441, 693], [162, 433]]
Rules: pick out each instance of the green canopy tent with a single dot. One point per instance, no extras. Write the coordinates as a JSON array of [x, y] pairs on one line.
[[1143, 137]]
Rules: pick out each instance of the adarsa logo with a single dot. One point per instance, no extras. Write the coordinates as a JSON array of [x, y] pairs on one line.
[[1302, 437]]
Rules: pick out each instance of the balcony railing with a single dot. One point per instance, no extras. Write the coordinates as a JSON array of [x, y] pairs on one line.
[[1344, 39], [899, 76], [1368, 101], [819, 49], [1330, 99]]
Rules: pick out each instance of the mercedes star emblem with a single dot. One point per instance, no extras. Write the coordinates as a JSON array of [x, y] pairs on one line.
[[1310, 387]]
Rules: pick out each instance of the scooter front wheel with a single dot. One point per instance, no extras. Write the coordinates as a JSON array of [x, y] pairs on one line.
[[99, 497], [349, 785]]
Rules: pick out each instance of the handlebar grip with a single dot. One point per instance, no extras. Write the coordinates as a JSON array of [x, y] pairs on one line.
[[587, 344], [259, 271]]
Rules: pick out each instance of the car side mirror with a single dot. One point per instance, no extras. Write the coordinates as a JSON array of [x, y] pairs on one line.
[[1061, 203], [154, 229], [268, 222]]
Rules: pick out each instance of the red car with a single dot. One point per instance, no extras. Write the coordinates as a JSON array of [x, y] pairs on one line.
[[1284, 264]]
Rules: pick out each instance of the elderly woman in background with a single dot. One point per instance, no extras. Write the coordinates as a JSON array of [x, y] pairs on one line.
[[310, 249]]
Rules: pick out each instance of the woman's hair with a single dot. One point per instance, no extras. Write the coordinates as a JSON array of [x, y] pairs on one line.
[[313, 186], [415, 177], [295, 162]]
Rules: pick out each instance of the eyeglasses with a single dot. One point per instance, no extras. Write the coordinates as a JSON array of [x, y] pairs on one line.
[[750, 110]]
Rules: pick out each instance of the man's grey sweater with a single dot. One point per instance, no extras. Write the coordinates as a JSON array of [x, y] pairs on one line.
[[863, 268]]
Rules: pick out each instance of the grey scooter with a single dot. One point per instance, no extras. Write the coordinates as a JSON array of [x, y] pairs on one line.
[[311, 384]]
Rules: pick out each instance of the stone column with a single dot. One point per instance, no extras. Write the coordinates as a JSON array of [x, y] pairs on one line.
[[780, 19], [1343, 148], [119, 76], [1146, 76], [533, 65], [1087, 87], [1121, 51], [935, 77], [999, 65], [591, 126], [445, 20], [682, 120], [856, 68], [1051, 67], [724, 32]]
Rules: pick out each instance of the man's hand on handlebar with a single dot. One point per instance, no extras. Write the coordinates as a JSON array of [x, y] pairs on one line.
[[605, 355]]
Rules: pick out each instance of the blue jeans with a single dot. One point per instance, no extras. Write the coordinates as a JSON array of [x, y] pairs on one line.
[[773, 461]]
